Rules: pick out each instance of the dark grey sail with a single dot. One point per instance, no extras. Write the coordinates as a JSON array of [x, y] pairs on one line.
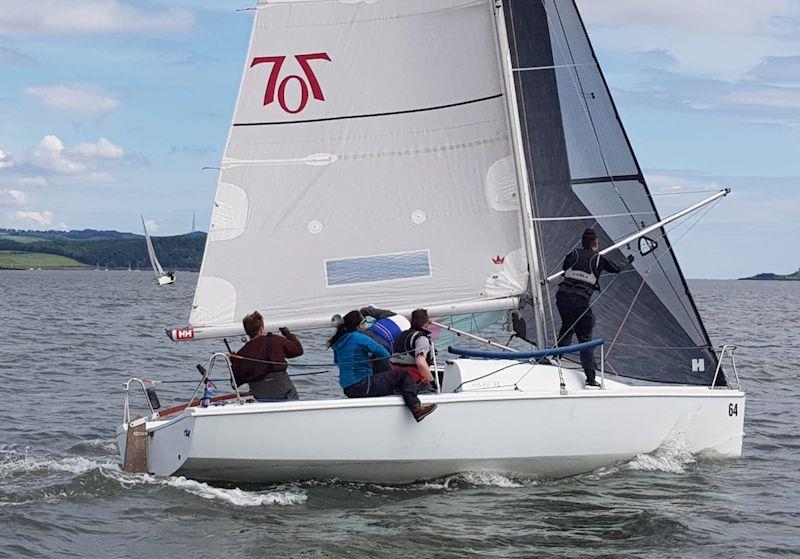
[[581, 163]]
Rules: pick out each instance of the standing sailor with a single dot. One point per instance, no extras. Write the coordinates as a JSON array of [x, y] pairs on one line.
[[582, 269]]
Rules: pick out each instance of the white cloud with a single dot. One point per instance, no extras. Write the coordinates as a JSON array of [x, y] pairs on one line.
[[734, 16], [151, 225], [52, 157], [42, 219], [706, 37], [86, 99], [10, 197], [102, 149], [48, 17], [669, 184], [49, 156], [5, 162]]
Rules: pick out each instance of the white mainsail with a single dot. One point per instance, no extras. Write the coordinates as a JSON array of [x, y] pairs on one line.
[[369, 161], [157, 269]]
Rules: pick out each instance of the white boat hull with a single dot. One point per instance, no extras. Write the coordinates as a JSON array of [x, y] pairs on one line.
[[532, 433], [165, 280]]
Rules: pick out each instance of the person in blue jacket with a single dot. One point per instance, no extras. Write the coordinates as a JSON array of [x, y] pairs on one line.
[[354, 351]]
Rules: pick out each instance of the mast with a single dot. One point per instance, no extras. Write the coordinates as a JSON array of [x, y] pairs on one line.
[[526, 205]]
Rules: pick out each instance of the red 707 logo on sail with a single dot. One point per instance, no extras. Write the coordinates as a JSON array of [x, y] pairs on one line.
[[310, 80]]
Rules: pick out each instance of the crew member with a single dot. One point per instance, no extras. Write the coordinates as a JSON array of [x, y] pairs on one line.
[[413, 351], [582, 269], [353, 352], [261, 363], [384, 327]]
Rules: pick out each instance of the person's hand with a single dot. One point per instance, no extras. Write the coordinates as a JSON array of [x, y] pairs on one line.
[[630, 259], [284, 331]]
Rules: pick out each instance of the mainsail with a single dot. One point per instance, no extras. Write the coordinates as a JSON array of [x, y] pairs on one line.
[[580, 162], [157, 269], [369, 162]]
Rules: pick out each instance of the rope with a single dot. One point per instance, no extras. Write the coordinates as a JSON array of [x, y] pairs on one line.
[[265, 362], [627, 314]]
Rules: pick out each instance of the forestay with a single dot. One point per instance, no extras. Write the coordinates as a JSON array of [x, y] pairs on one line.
[[369, 161], [581, 163]]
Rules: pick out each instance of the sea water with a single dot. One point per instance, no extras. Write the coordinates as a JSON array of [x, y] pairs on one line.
[[70, 339]]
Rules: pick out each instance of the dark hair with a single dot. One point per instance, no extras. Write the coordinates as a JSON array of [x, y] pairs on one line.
[[253, 323], [419, 318], [589, 238], [349, 323]]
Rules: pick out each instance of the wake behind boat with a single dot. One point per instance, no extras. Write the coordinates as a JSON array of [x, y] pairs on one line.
[[448, 158], [162, 277]]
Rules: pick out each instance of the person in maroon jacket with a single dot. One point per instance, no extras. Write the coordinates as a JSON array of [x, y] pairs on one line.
[[261, 363]]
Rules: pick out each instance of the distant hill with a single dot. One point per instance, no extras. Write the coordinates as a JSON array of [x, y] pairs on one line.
[[775, 277], [107, 249]]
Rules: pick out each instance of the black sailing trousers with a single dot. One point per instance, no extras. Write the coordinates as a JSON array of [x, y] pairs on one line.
[[385, 384], [576, 316]]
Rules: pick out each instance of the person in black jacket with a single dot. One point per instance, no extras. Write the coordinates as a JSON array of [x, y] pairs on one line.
[[582, 269]]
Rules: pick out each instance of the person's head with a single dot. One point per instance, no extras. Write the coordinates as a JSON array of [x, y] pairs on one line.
[[253, 324], [589, 240], [419, 319], [350, 323]]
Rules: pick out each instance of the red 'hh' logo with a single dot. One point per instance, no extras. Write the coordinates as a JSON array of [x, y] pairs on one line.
[[498, 259], [310, 81], [182, 334]]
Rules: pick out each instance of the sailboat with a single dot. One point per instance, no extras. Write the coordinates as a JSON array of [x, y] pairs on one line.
[[444, 155], [162, 277]]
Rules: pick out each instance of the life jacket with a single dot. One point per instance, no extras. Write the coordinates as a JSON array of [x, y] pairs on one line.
[[404, 347], [585, 271]]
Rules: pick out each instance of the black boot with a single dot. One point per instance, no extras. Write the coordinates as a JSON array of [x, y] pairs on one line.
[[421, 411]]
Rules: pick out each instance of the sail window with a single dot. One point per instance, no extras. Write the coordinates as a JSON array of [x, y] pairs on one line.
[[383, 267], [647, 245]]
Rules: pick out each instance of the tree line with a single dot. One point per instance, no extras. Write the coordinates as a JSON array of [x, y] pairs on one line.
[[109, 249]]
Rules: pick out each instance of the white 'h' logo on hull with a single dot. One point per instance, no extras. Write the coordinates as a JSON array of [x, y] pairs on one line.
[[698, 365]]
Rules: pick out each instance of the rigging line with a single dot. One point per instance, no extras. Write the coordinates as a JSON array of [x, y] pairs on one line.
[[457, 388], [585, 104], [668, 250], [602, 156], [630, 149], [552, 67], [584, 217], [370, 115], [302, 365], [627, 314], [672, 227], [684, 192]]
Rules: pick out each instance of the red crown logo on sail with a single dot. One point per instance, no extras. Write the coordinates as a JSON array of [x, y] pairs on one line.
[[498, 259]]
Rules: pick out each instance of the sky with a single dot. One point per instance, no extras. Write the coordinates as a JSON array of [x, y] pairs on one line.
[[110, 109]]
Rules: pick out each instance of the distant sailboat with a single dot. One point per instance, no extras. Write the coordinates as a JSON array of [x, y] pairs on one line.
[[162, 277]]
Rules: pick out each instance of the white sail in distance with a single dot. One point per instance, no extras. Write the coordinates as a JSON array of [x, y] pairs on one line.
[[369, 162], [157, 269]]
